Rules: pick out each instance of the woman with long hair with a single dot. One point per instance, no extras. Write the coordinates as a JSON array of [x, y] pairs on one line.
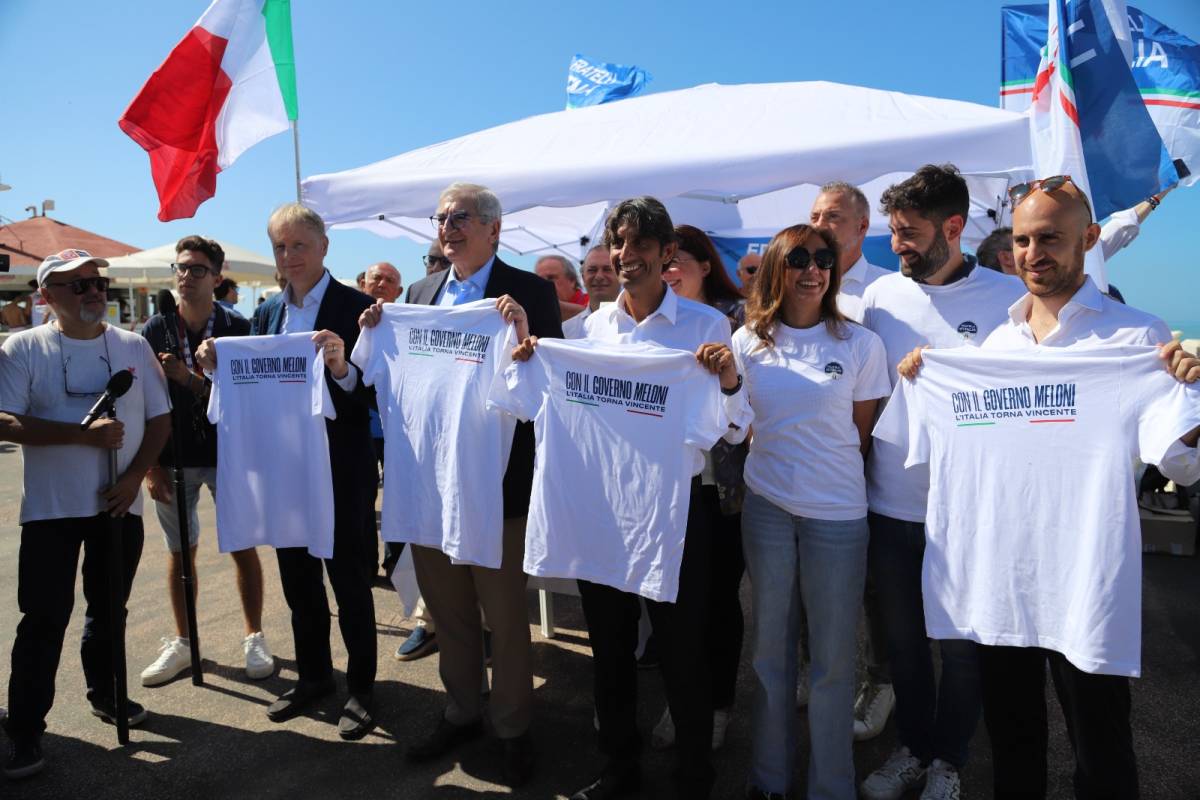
[[697, 273], [814, 380]]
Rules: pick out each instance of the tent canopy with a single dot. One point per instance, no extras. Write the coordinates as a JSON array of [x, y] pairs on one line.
[[735, 160], [153, 267]]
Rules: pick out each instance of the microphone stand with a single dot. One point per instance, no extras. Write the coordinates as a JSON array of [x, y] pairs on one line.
[[185, 539], [116, 600]]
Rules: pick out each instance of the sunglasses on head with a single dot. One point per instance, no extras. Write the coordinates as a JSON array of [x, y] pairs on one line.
[[799, 258], [1018, 193], [81, 285]]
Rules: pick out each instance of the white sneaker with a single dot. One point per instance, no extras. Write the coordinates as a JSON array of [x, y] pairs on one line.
[[721, 719], [259, 662], [173, 658], [663, 735], [941, 782], [872, 709], [901, 772], [802, 686]]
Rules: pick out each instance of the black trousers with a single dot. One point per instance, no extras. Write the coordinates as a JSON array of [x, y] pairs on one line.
[[1096, 709], [46, 570], [726, 624], [681, 630], [304, 590]]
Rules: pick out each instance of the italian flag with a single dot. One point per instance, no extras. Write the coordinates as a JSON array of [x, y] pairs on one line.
[[229, 84]]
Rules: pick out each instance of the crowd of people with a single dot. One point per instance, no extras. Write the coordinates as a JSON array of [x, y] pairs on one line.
[[828, 522]]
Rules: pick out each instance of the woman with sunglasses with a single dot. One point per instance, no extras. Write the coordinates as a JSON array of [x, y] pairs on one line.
[[813, 379], [697, 273]]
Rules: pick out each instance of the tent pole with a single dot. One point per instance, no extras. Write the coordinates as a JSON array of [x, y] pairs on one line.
[[296, 147]]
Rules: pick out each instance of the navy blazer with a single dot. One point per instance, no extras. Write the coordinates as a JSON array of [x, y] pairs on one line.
[[351, 451], [538, 298]]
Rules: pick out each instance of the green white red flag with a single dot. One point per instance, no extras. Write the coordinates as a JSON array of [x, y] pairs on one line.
[[229, 84]]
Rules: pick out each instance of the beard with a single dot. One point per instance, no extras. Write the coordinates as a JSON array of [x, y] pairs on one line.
[[1062, 279], [929, 262], [92, 317]]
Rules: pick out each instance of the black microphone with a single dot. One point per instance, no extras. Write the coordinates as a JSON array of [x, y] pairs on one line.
[[118, 385], [167, 308]]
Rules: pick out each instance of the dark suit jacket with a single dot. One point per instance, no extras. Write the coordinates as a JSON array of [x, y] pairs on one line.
[[538, 298], [351, 453]]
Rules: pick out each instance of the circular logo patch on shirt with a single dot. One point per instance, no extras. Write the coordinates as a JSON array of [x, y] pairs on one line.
[[968, 329], [834, 370]]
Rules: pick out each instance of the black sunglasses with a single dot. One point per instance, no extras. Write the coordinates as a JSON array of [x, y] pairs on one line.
[[435, 261], [751, 270], [799, 258], [81, 285], [196, 271]]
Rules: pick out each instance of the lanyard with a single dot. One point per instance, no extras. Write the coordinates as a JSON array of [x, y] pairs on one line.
[[186, 346]]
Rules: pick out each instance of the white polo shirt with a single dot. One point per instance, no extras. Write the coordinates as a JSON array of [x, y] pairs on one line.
[[680, 324], [854, 283]]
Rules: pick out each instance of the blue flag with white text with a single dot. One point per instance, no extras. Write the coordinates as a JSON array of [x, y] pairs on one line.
[[590, 83], [1164, 67]]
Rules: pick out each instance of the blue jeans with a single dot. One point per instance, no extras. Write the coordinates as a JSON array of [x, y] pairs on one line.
[[821, 564], [934, 721]]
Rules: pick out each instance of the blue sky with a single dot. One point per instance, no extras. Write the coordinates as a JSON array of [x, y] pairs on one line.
[[379, 78]]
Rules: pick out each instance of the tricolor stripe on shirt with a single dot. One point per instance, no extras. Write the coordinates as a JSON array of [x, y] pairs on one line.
[[229, 84]]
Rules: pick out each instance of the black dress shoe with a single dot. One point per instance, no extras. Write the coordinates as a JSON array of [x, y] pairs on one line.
[[445, 737], [518, 759], [356, 720], [295, 700], [619, 779]]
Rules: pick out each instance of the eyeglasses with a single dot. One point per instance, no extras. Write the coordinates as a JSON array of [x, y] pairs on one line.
[[435, 261], [799, 258], [81, 285], [106, 358], [1018, 193], [454, 221], [196, 271], [751, 270]]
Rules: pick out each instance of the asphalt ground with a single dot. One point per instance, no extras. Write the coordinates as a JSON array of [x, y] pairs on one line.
[[216, 741]]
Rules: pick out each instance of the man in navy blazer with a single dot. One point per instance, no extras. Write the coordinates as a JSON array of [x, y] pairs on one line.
[[314, 301], [468, 228]]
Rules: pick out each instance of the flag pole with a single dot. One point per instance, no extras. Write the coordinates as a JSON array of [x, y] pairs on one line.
[[296, 147]]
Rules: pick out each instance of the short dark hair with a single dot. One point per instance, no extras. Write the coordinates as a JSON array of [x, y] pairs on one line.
[[647, 214], [936, 192], [224, 288], [989, 249], [206, 247]]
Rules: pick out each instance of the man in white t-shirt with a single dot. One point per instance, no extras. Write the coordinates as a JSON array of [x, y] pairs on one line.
[[600, 280], [843, 209], [50, 376], [641, 240], [939, 297], [1052, 229]]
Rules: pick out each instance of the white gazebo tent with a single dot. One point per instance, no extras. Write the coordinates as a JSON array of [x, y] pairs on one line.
[[153, 267], [733, 160]]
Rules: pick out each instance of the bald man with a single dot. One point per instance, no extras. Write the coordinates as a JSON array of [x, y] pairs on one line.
[[383, 282]]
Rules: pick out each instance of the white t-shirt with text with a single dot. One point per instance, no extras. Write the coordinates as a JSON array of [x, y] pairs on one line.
[[1033, 532], [906, 314], [616, 426], [269, 402], [445, 452]]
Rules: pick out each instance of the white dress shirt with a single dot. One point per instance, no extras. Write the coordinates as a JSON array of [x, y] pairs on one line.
[[575, 327], [854, 283], [1093, 318], [678, 323], [303, 319]]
